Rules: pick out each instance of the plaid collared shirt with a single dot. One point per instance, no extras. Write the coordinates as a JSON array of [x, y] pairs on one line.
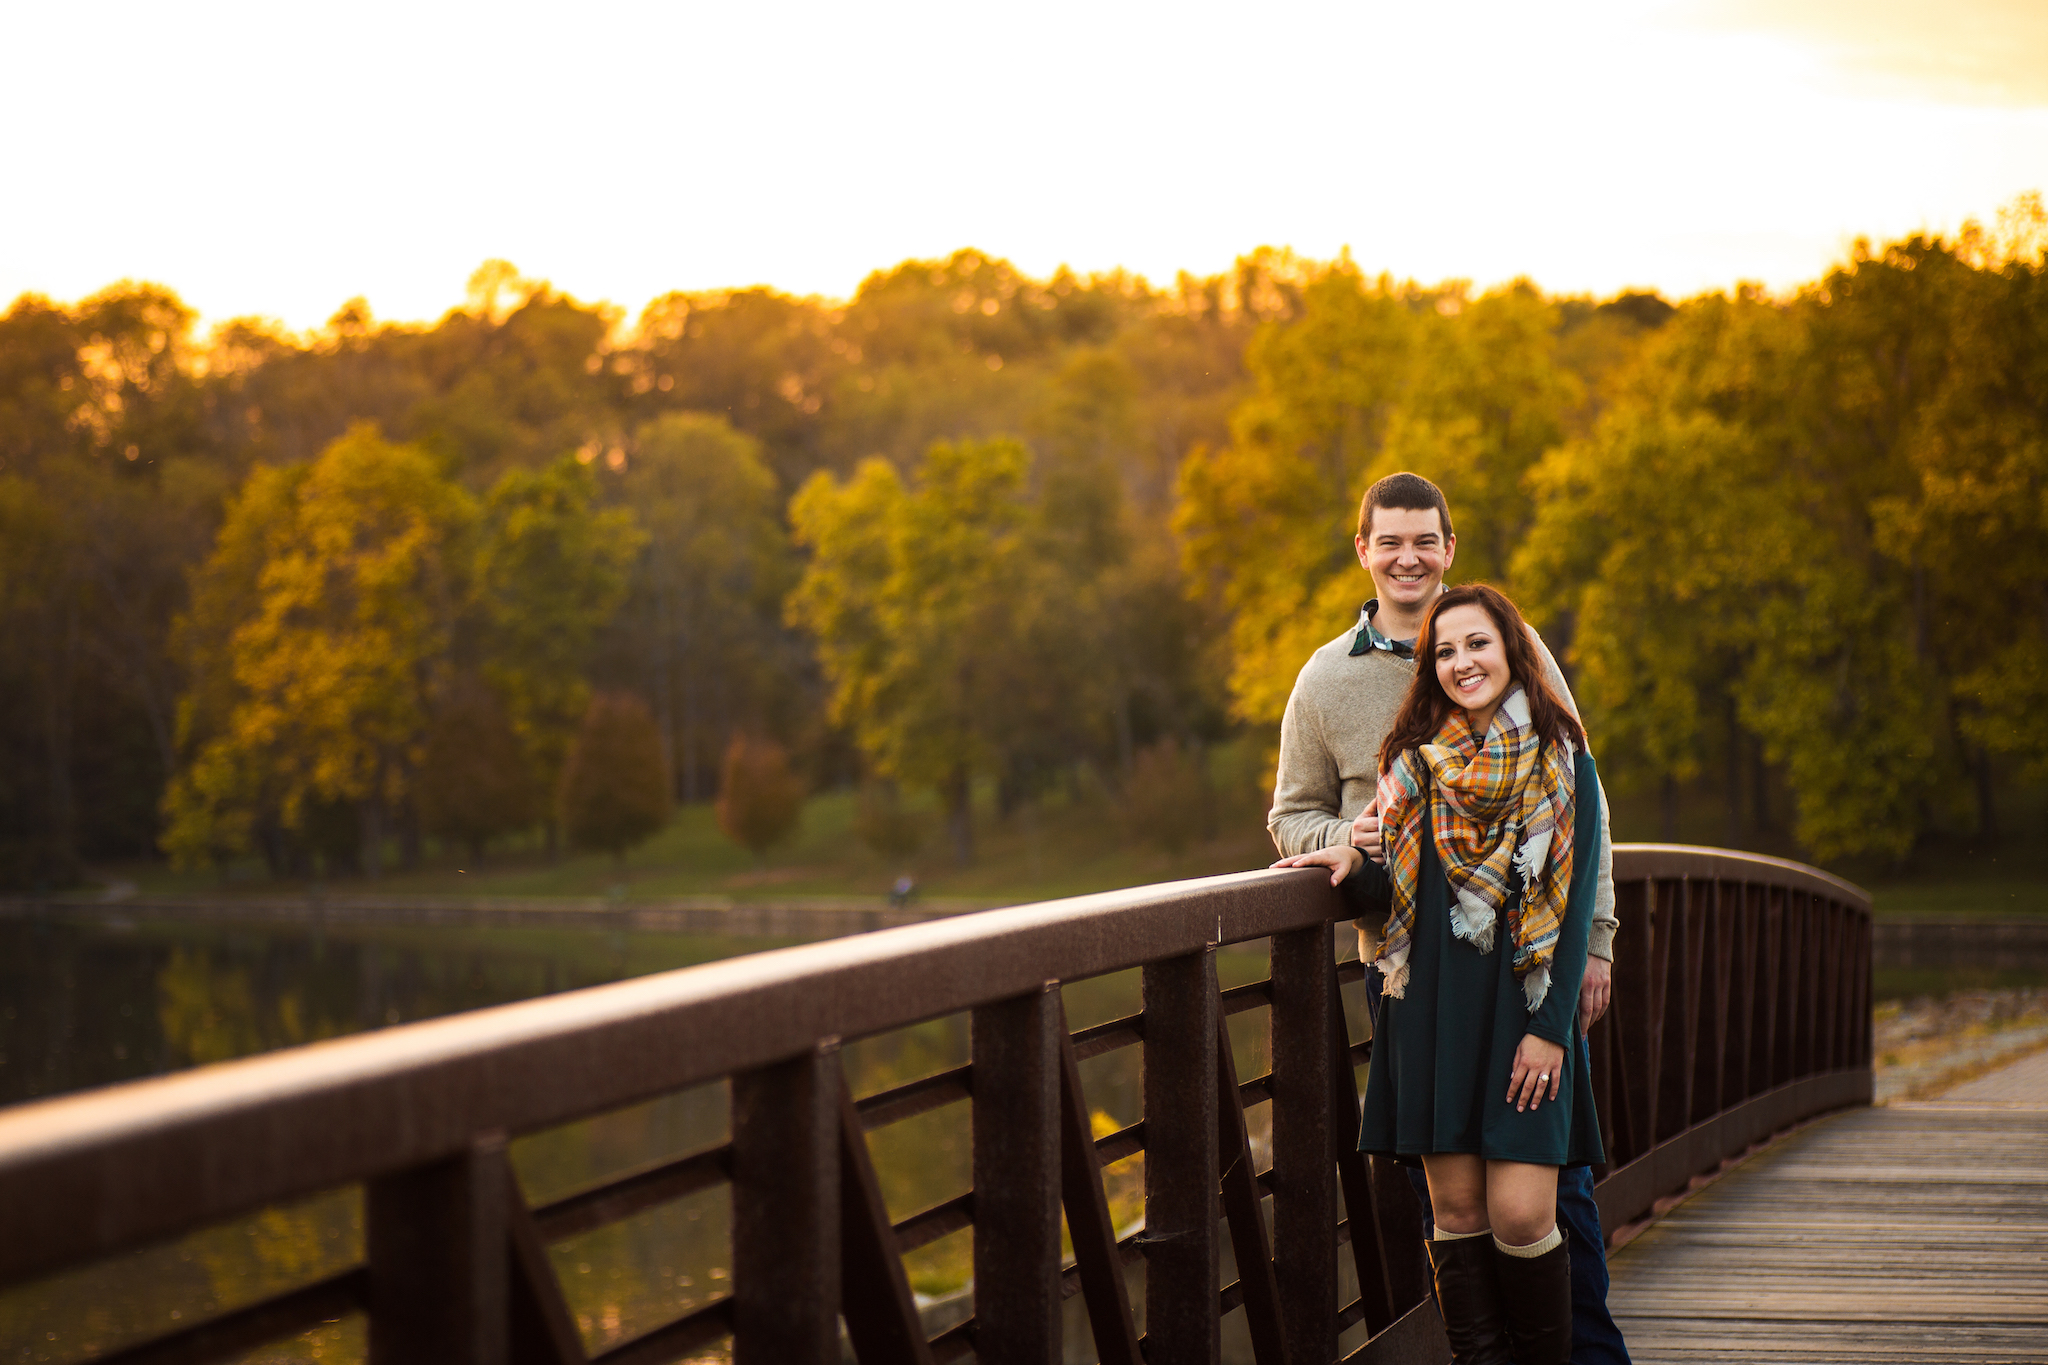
[[1370, 638]]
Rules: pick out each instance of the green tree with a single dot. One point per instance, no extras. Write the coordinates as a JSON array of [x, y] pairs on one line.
[[551, 568], [1785, 528], [613, 793], [708, 587], [914, 596], [1971, 529], [1363, 378]]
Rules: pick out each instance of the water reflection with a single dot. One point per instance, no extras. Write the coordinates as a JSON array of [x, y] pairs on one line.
[[87, 1003], [92, 999]]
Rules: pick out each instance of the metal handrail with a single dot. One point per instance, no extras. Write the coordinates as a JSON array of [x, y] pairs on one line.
[[1742, 999]]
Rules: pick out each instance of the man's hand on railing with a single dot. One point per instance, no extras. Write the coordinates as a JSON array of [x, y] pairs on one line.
[[1596, 988]]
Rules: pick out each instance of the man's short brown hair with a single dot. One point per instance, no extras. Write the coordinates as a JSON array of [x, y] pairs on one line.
[[1410, 492]]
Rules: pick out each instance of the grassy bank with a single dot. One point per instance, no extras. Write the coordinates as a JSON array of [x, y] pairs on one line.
[[1065, 845], [1068, 843]]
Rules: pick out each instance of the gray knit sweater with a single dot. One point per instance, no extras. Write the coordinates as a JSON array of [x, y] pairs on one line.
[[1339, 714]]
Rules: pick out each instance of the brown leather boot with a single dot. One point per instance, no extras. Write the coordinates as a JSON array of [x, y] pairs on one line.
[[1536, 1294], [1469, 1294]]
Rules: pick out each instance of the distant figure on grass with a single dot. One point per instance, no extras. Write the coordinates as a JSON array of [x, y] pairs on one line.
[[614, 793], [1338, 719]]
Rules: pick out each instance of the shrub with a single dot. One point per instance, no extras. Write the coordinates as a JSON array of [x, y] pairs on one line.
[[884, 824], [1167, 799], [614, 793], [759, 798], [474, 782]]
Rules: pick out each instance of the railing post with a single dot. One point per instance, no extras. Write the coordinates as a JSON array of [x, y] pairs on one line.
[[1778, 950], [1687, 989], [1016, 1059], [1743, 989], [1809, 995], [1865, 1025], [436, 1238], [1836, 969], [1182, 1172], [785, 1212], [1720, 1002], [1638, 1005], [1304, 1151]]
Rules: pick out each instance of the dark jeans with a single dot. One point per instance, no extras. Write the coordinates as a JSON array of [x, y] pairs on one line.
[[1596, 1340]]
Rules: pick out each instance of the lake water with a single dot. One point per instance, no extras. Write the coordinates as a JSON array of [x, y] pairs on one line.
[[89, 1001]]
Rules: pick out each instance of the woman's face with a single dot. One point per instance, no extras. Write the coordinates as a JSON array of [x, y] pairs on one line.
[[1471, 662]]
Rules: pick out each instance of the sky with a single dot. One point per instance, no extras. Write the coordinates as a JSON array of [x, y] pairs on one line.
[[278, 160]]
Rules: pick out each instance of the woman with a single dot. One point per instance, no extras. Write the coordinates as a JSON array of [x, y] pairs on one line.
[[1491, 821]]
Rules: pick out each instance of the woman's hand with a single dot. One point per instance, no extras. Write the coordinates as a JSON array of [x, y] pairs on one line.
[[1342, 862], [1539, 1067]]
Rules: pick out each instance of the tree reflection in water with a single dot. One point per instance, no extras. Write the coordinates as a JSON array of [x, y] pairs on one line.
[[87, 1003]]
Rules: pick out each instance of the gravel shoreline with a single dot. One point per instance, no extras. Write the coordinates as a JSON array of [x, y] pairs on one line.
[[1926, 1045]]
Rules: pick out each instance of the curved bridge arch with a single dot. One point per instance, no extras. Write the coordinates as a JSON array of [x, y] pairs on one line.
[[1742, 1006]]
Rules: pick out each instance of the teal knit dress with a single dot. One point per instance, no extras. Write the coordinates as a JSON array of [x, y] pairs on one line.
[[1442, 1054]]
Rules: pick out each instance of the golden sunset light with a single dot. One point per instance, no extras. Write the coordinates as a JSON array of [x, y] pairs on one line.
[[1325, 683], [280, 160]]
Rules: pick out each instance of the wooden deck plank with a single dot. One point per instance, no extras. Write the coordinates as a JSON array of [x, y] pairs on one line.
[[1916, 1232]]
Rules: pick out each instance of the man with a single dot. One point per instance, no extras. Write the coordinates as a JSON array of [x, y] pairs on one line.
[[1342, 707]]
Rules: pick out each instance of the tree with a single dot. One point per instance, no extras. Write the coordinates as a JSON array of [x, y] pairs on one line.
[[759, 798], [37, 602], [761, 362], [359, 570], [1364, 378], [885, 824], [1808, 521], [551, 568], [1168, 801], [908, 591], [476, 783], [613, 794], [708, 587], [1973, 528], [100, 425]]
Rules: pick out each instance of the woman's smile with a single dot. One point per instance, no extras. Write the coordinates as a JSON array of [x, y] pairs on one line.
[[1471, 663]]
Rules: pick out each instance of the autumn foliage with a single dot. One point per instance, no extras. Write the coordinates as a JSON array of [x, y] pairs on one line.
[[475, 783], [979, 535], [759, 797], [614, 794]]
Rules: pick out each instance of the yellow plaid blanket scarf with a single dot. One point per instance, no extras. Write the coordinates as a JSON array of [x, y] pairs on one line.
[[1504, 806]]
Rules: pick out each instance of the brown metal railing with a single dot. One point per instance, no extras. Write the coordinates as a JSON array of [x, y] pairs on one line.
[[1742, 1006]]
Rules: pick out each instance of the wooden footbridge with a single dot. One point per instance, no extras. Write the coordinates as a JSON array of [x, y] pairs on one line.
[[1742, 1010], [1916, 1232]]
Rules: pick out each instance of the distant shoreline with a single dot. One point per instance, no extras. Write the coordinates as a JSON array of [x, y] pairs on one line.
[[787, 917]]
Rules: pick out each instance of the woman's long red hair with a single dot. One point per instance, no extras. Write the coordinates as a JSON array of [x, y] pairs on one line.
[[1427, 705]]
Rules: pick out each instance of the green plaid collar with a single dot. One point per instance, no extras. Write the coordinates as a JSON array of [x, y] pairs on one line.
[[1370, 638]]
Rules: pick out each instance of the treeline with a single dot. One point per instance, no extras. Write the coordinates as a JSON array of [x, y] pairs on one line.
[[321, 597], [1794, 548]]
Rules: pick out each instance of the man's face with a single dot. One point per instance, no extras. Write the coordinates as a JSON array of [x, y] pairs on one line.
[[1406, 552]]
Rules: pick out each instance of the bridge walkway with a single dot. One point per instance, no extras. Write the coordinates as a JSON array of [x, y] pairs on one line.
[[1913, 1232]]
